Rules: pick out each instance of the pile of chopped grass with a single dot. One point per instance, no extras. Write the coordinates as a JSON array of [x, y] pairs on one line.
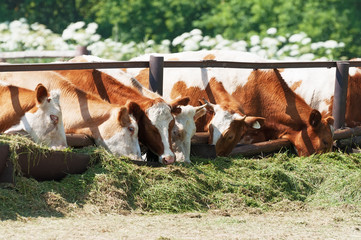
[[115, 185]]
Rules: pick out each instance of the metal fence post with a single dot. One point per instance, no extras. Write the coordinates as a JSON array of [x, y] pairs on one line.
[[81, 50], [340, 94], [156, 65]]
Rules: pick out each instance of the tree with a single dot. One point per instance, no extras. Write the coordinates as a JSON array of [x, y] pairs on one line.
[[321, 20], [142, 19], [55, 14], [332, 19]]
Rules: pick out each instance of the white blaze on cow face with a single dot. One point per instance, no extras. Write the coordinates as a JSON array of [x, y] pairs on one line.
[[184, 129], [221, 122], [161, 117], [120, 139], [45, 125]]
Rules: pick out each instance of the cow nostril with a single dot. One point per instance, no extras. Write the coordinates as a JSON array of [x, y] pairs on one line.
[[168, 160]]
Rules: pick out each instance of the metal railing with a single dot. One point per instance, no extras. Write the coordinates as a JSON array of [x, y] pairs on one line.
[[156, 65]]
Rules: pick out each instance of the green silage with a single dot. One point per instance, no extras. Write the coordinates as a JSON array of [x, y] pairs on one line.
[[113, 185]]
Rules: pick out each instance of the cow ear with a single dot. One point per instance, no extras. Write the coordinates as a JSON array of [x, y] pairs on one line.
[[330, 120], [175, 109], [315, 118], [135, 110], [41, 93], [181, 102], [200, 111], [123, 117], [255, 122]]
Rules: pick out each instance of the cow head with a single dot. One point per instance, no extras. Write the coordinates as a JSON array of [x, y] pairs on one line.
[[316, 136], [148, 133], [44, 122], [226, 129], [120, 133], [161, 116], [184, 129]]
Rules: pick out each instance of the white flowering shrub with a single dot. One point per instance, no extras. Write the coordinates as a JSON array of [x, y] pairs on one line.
[[290, 47], [80, 34], [20, 36]]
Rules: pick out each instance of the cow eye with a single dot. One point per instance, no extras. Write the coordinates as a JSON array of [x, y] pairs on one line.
[[54, 119], [131, 130]]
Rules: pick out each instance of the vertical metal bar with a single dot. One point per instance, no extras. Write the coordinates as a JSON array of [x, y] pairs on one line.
[[81, 50], [340, 94], [156, 65]]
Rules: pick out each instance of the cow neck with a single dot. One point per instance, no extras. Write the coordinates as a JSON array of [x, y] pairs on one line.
[[15, 102], [267, 95], [83, 110], [106, 87], [218, 94]]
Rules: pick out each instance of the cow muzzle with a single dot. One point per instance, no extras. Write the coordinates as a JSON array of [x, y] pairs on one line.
[[168, 160]]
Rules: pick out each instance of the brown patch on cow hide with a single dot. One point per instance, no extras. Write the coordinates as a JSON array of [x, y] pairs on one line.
[[214, 93], [328, 102], [209, 57], [195, 94], [296, 85], [143, 77], [14, 103]]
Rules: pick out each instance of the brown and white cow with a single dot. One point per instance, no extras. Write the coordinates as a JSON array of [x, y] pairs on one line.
[[111, 126], [36, 112], [260, 93], [316, 86], [226, 121], [157, 123]]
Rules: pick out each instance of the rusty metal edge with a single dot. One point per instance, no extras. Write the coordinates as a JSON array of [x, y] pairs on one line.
[[347, 133], [201, 138]]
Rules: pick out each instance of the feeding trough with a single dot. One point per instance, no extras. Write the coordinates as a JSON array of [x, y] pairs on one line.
[[52, 165], [201, 148], [43, 164], [49, 164]]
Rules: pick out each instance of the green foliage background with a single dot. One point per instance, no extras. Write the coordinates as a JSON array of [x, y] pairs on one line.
[[138, 20]]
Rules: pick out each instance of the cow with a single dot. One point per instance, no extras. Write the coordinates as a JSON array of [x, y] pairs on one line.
[[261, 93], [316, 86], [184, 129], [225, 120], [112, 126], [158, 118], [36, 112]]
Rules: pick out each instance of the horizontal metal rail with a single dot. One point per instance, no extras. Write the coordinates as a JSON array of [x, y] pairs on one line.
[[168, 64], [70, 66], [37, 54], [79, 50], [254, 65]]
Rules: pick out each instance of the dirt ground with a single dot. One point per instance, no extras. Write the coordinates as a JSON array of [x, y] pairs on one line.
[[336, 223]]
